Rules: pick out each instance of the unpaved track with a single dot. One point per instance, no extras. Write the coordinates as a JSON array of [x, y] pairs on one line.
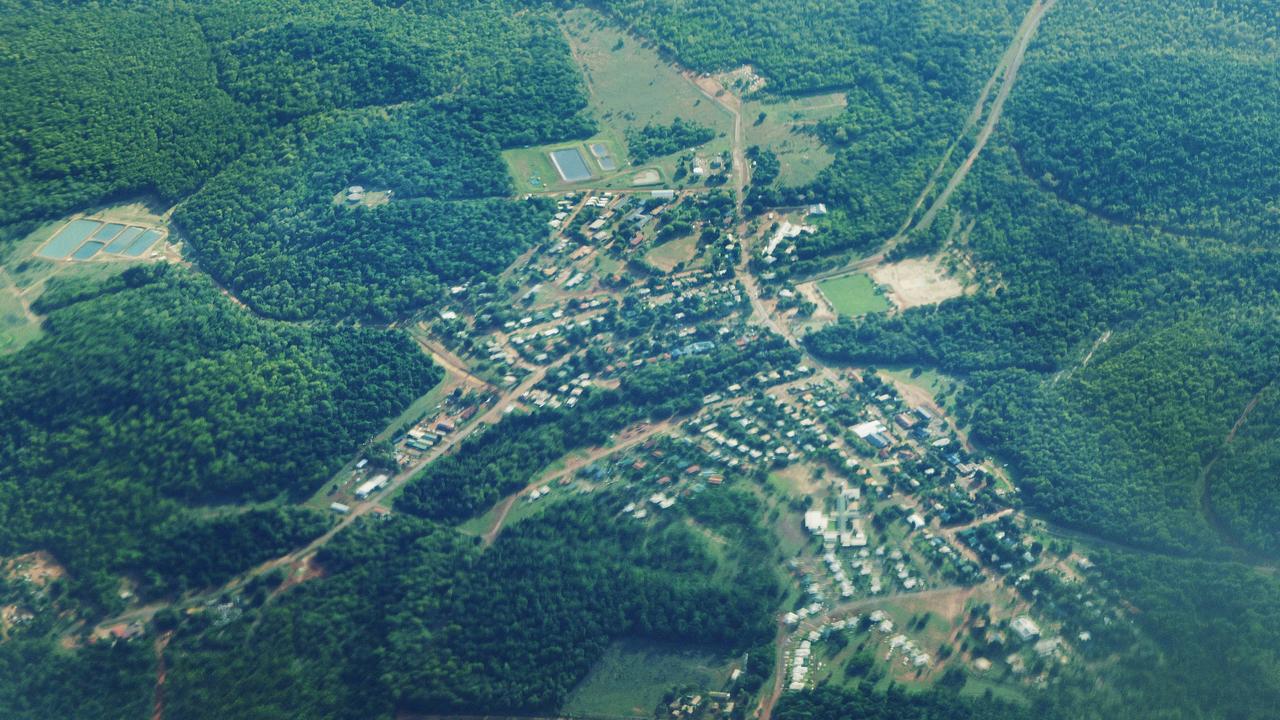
[[504, 508], [721, 96], [767, 702], [1008, 69], [1206, 502]]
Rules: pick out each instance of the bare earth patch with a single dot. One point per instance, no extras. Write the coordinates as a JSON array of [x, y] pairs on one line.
[[39, 568], [823, 314], [745, 80], [646, 177], [916, 281]]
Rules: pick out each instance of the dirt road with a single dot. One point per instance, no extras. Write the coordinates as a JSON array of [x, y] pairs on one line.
[[765, 710], [450, 362], [718, 94], [1009, 66], [631, 439]]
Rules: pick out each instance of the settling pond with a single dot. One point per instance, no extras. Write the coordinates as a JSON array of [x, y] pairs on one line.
[[570, 164], [82, 239]]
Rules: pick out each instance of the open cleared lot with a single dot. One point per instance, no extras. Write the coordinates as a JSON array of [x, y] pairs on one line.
[[633, 675], [669, 254], [917, 281], [787, 128], [853, 295], [17, 326]]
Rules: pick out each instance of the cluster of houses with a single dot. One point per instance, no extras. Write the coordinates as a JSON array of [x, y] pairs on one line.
[[566, 206], [564, 394], [716, 703], [813, 627], [784, 234]]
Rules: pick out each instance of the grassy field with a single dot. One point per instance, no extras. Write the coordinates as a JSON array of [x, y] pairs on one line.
[[24, 275], [928, 378], [786, 130], [853, 295], [16, 329], [666, 256], [633, 675], [629, 87], [532, 170]]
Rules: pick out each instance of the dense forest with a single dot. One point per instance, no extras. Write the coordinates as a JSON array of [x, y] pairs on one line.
[[106, 682], [157, 392], [102, 101], [277, 226], [653, 141], [1164, 113], [411, 616], [140, 98], [1240, 491]]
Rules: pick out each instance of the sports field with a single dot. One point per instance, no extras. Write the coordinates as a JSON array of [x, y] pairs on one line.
[[853, 295]]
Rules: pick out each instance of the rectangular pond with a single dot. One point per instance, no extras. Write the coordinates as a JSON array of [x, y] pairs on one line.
[[108, 231], [88, 250], [571, 165], [68, 239], [123, 240], [601, 151], [140, 245]]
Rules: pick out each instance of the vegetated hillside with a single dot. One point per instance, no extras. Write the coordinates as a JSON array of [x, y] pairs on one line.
[[126, 97], [1241, 490], [1117, 446], [101, 682], [411, 616], [492, 58], [1214, 653], [1164, 113], [276, 226], [1122, 445], [102, 101], [153, 391]]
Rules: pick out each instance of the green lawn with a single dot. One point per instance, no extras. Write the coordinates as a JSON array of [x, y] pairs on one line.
[[15, 329], [629, 86], [928, 378], [853, 295], [786, 130], [633, 675]]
